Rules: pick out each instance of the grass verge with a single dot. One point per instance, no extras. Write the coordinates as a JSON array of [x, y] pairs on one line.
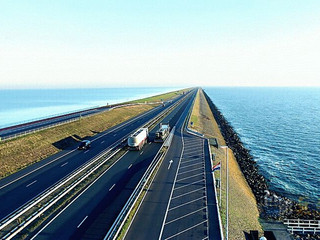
[[243, 211]]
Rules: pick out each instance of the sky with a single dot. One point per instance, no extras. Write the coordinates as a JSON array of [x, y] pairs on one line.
[[117, 43]]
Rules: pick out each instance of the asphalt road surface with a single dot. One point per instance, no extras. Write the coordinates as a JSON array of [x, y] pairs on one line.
[[180, 203], [91, 214], [21, 187]]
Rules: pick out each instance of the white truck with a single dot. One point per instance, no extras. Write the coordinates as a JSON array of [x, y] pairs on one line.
[[138, 139], [162, 132]]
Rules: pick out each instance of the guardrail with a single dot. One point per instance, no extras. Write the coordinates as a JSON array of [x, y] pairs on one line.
[[123, 215], [303, 225], [77, 117], [41, 203]]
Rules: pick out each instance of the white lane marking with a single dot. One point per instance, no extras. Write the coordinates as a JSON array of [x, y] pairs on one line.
[[190, 165], [31, 183], [190, 177], [141, 152], [185, 215], [188, 184], [82, 221], [130, 166], [170, 162], [186, 230], [102, 142], [64, 164], [17, 179], [181, 205], [56, 216], [191, 170], [114, 135], [111, 187], [149, 143], [86, 151], [198, 159], [181, 195]]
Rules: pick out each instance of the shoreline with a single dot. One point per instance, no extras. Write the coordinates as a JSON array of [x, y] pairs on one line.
[[272, 206]]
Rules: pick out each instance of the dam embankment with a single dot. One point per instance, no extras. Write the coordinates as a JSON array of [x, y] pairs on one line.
[[271, 204]]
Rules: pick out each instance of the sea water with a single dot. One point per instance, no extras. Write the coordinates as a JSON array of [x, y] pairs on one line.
[[20, 106], [281, 128]]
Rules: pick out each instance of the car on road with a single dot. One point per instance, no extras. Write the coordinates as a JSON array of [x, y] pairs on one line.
[[85, 144]]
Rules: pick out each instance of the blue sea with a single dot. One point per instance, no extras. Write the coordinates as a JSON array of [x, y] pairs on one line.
[[20, 106], [281, 127]]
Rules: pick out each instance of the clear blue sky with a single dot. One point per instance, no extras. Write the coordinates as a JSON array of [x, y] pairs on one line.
[[48, 44]]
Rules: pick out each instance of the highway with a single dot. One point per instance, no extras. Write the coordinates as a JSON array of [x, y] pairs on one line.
[[21, 187], [92, 213], [32, 126], [181, 202]]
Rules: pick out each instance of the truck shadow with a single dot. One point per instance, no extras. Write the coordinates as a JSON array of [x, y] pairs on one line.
[[68, 143]]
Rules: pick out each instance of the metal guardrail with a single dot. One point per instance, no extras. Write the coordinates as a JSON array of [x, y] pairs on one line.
[[303, 225], [77, 117], [123, 215], [87, 169]]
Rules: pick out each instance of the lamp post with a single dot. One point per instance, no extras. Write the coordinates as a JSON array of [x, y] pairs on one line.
[[227, 190]]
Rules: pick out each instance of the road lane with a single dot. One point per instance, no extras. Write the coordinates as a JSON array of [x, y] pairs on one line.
[[49, 171], [98, 202]]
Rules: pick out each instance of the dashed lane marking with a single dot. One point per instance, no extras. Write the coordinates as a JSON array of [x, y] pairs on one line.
[[130, 166], [82, 221], [31, 183], [111, 187], [64, 164]]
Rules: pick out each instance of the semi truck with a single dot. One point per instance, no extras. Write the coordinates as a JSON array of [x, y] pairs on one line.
[[138, 139], [162, 132]]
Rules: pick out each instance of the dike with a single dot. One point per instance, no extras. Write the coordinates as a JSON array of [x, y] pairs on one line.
[[270, 204]]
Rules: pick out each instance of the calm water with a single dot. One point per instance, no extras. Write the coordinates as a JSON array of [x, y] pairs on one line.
[[18, 106], [281, 127]]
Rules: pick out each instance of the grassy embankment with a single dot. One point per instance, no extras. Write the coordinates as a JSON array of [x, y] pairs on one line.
[[243, 212], [21, 152]]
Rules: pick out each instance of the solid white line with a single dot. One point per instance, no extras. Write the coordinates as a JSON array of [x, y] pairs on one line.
[[111, 187], [185, 215], [64, 164], [190, 177], [188, 184], [82, 221], [181, 195], [181, 205], [186, 230], [130, 166], [191, 170], [191, 165], [31, 183]]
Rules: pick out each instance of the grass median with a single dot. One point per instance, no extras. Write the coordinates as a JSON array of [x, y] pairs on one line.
[[243, 211]]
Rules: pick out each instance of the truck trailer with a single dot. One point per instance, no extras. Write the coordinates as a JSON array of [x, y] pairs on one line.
[[138, 139], [162, 132]]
